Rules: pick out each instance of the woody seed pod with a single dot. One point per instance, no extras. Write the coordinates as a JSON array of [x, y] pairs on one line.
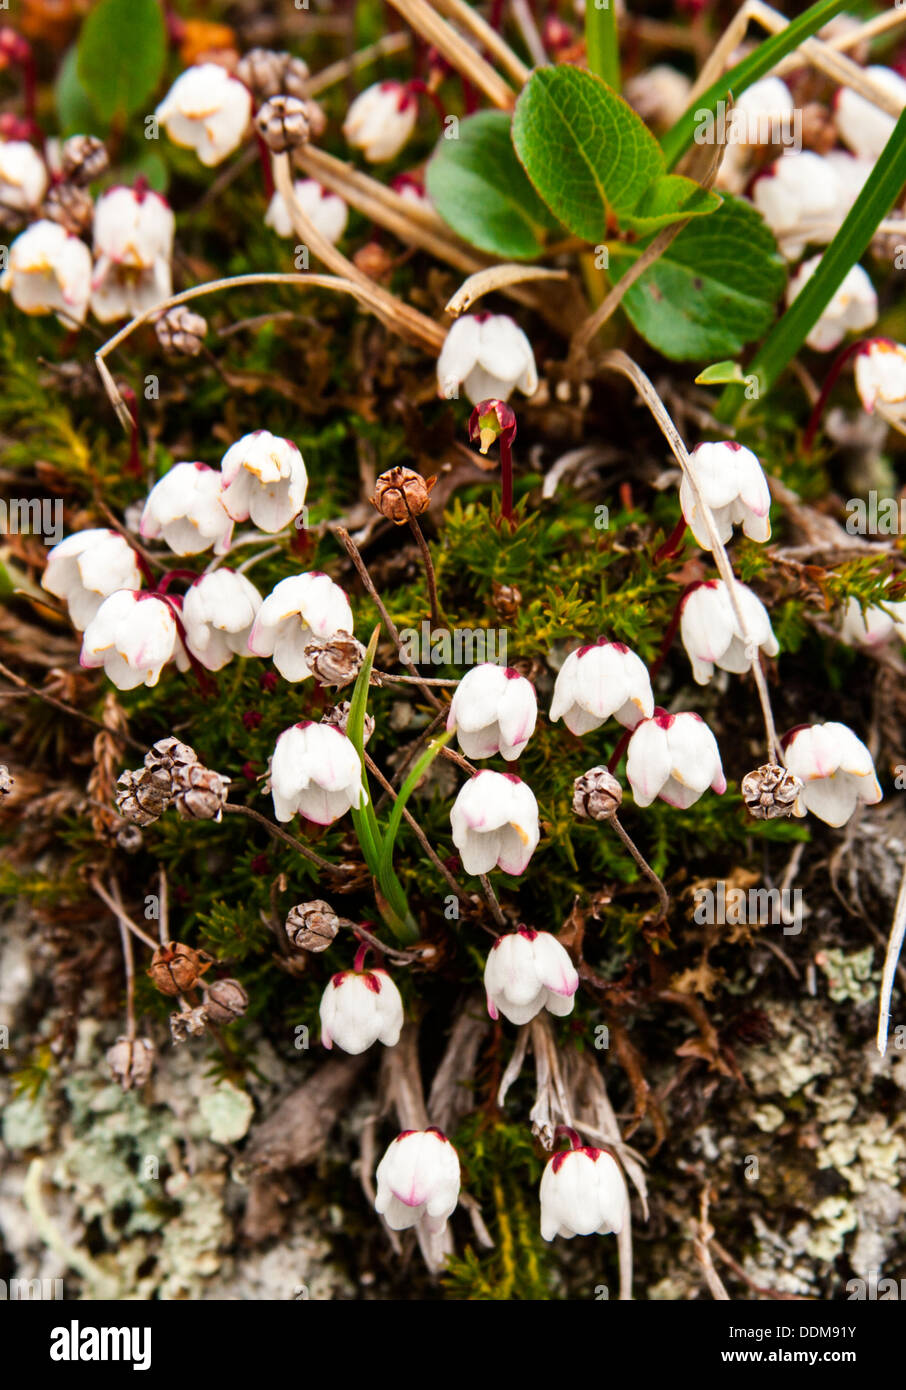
[[84, 158], [770, 792], [199, 793], [597, 795], [130, 1061], [336, 660], [72, 207], [176, 968], [283, 123], [266, 73], [401, 493], [181, 331], [312, 926], [338, 717], [225, 1001]]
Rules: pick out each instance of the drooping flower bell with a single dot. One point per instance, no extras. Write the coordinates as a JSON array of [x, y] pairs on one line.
[[733, 485], [133, 636], [864, 127], [381, 120], [133, 246], [601, 681], [493, 710], [853, 308], [360, 1007], [263, 477], [327, 210], [218, 611], [315, 772], [206, 110], [418, 1181], [675, 757], [495, 823], [527, 971], [711, 633], [582, 1193], [301, 610], [185, 508], [880, 373], [836, 770], [488, 355], [49, 272], [86, 568]]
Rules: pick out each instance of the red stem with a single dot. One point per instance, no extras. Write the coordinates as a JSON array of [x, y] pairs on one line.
[[672, 543], [134, 462], [164, 582], [836, 368], [566, 1131], [267, 174], [420, 88], [360, 955], [506, 478]]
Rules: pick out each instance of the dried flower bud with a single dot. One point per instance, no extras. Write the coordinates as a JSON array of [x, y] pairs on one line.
[[338, 717], [770, 792], [176, 968], [181, 331], [267, 73], [144, 795], [506, 599], [401, 493], [335, 660], [373, 260], [199, 793], [312, 926], [188, 1023], [129, 838], [819, 131], [597, 795], [130, 1061], [225, 1001], [170, 754], [84, 158], [6, 781], [283, 123], [69, 205]]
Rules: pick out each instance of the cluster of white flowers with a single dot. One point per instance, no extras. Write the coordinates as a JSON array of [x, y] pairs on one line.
[[51, 269]]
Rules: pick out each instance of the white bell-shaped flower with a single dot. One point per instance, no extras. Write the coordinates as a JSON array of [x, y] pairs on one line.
[[360, 1008], [86, 568], [711, 633], [381, 119], [217, 613], [733, 486], [836, 768], [23, 175], [418, 1181], [487, 355], [675, 757], [874, 626], [316, 773], [853, 308], [493, 710], [133, 246], [582, 1193], [495, 823], [601, 681], [133, 636], [207, 111], [263, 477], [327, 210], [880, 374], [300, 610], [49, 272], [864, 127], [185, 508], [801, 199], [527, 971]]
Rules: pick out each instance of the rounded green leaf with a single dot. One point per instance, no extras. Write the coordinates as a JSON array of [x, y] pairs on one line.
[[671, 198], [712, 291], [479, 188], [121, 53], [584, 148]]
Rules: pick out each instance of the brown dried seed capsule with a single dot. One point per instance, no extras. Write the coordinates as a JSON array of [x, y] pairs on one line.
[[199, 793], [188, 1023], [130, 838], [283, 123], [225, 1001], [336, 660], [130, 1061], [84, 158], [770, 792], [506, 599], [72, 207], [267, 73], [144, 795], [401, 493], [597, 795], [176, 968], [312, 926], [170, 754], [181, 331], [6, 781], [373, 260], [338, 717]]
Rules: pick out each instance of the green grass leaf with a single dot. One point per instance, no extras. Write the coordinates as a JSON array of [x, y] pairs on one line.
[[480, 189], [601, 42], [594, 161], [121, 54], [757, 65], [712, 291]]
